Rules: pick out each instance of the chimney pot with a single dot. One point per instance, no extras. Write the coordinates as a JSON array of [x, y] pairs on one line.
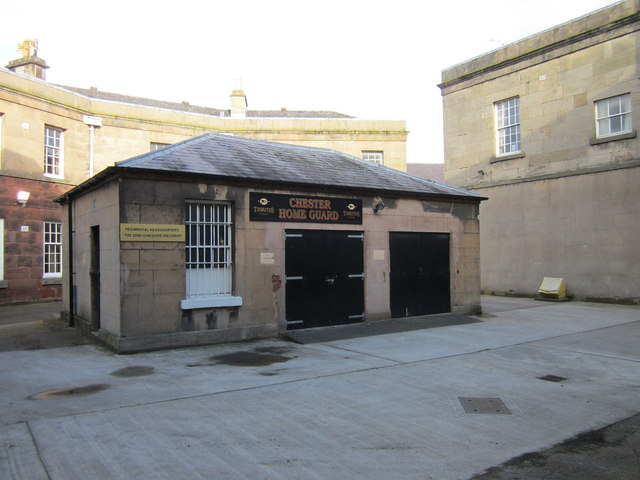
[[29, 63]]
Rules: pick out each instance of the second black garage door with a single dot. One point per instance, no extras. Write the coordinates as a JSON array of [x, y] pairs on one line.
[[419, 273]]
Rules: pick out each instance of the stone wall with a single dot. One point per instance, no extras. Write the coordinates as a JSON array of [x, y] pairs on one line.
[[583, 228], [143, 283], [564, 205], [128, 130]]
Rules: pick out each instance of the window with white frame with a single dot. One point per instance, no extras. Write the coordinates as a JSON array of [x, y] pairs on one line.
[[53, 145], [1, 249], [52, 249], [1, 120], [154, 146], [508, 126], [374, 156], [613, 116], [208, 230]]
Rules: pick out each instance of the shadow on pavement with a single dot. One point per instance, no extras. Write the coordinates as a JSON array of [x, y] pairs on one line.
[[36, 327]]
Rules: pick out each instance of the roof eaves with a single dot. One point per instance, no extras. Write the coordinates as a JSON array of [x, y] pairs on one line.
[[97, 179]]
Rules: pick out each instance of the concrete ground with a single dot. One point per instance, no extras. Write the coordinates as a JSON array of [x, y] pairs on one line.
[[403, 405]]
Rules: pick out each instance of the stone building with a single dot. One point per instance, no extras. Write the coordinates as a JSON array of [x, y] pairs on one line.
[[222, 238], [546, 128], [54, 137]]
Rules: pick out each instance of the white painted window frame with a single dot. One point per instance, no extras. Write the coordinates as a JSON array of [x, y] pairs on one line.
[[1, 141], [52, 250], [155, 146], [1, 249], [508, 128], [375, 156], [53, 152], [209, 255], [609, 111]]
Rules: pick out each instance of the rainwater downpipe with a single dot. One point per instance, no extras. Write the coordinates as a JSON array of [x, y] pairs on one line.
[[72, 299]]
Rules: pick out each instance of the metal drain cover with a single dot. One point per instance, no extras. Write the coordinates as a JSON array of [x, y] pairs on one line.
[[484, 405]]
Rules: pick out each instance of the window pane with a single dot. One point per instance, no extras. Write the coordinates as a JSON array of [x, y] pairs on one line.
[[613, 115], [602, 109], [52, 249], [507, 117], [208, 253], [52, 151], [614, 106], [625, 103]]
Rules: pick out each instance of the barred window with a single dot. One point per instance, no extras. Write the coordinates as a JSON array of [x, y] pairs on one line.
[[52, 249], [613, 116], [53, 151], [508, 126], [208, 250]]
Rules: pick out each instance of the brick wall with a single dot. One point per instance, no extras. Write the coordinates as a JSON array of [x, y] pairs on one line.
[[23, 272]]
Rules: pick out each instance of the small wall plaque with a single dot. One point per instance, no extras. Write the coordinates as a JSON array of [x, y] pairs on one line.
[[138, 232], [267, 258]]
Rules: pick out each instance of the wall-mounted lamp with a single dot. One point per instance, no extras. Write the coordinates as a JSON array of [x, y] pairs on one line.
[[378, 204], [22, 198]]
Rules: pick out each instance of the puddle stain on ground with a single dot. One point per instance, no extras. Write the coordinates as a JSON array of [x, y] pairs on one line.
[[70, 392], [273, 373], [133, 371], [258, 357]]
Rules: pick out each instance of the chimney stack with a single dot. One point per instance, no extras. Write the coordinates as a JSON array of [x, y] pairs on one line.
[[29, 63], [238, 103]]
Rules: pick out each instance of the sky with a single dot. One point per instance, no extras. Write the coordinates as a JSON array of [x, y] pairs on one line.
[[367, 58]]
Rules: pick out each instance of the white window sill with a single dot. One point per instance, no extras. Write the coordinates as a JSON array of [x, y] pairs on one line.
[[228, 301], [612, 138], [507, 156], [52, 280]]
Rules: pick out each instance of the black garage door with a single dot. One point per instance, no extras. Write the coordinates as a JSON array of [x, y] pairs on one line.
[[419, 273], [324, 278]]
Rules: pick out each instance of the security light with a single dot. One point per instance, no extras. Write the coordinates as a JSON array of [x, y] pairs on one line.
[[23, 197]]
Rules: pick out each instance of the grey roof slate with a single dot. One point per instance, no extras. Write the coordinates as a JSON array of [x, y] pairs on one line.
[[187, 107], [249, 159]]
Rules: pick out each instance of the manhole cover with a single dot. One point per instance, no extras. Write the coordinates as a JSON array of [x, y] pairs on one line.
[[552, 378], [70, 392], [484, 405]]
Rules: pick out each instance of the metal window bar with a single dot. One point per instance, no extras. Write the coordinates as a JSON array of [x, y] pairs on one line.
[[52, 249], [208, 250]]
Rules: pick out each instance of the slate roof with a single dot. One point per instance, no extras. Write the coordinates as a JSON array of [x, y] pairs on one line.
[[187, 107], [226, 156]]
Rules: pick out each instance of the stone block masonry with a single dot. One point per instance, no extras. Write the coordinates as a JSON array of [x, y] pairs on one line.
[[22, 275]]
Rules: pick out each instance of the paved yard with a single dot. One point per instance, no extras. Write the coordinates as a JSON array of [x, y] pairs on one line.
[[379, 407]]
